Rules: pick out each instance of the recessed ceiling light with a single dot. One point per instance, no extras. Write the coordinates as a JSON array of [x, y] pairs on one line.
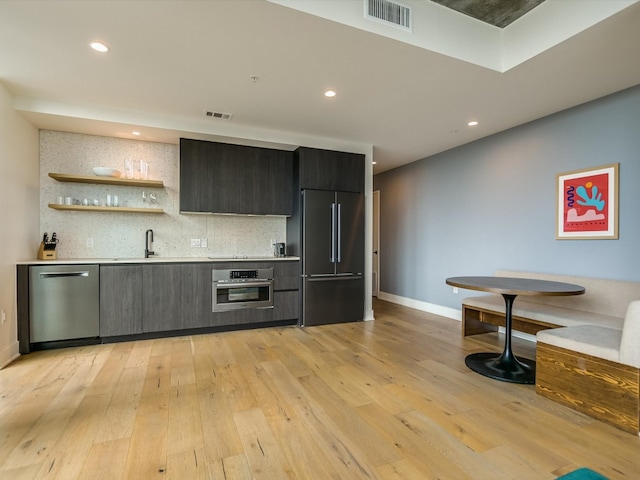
[[329, 93], [99, 47], [135, 133], [374, 163], [473, 123]]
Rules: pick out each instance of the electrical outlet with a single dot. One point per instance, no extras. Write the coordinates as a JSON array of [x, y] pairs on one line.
[[204, 243], [4, 316], [195, 242], [89, 242], [455, 289]]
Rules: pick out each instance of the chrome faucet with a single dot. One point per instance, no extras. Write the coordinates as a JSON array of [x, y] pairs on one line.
[[148, 241]]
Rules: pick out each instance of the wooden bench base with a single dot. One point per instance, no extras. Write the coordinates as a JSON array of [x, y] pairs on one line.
[[602, 389], [477, 320]]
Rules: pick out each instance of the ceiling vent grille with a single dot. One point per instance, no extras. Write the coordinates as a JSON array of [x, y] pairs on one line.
[[220, 115], [389, 12]]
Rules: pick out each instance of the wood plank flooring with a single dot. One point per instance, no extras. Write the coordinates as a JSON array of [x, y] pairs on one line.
[[389, 399]]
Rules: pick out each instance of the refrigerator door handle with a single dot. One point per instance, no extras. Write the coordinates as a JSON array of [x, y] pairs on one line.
[[339, 238], [333, 278], [333, 233]]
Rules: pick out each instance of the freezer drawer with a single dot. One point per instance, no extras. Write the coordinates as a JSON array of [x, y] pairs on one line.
[[332, 299], [64, 302]]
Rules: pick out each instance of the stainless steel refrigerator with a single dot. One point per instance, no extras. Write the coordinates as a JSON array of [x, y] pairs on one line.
[[332, 257]]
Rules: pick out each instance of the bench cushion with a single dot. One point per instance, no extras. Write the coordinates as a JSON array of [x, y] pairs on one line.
[[564, 317], [594, 340], [630, 343], [602, 296]]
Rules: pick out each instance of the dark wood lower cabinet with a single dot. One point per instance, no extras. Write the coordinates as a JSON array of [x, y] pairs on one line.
[[161, 297], [120, 300], [196, 296], [286, 305], [148, 299]]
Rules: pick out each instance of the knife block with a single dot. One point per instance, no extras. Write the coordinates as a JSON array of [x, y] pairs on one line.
[[46, 252]]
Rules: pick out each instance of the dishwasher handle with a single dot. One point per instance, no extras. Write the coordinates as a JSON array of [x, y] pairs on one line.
[[63, 274]]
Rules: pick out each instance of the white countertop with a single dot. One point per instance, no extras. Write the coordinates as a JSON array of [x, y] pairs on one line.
[[155, 259]]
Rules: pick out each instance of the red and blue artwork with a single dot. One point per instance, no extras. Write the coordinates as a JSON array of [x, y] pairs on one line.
[[587, 203]]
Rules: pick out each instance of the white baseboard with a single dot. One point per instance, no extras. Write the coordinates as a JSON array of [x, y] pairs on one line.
[[442, 311], [9, 354], [424, 306]]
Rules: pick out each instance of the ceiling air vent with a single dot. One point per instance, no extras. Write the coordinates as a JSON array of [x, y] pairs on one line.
[[389, 12], [220, 115]]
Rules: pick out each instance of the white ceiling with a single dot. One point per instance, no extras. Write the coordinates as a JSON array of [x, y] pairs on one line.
[[171, 60]]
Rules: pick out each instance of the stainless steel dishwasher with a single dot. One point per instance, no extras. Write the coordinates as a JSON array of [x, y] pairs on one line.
[[64, 302]]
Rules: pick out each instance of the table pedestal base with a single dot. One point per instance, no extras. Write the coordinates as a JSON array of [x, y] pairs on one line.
[[494, 365]]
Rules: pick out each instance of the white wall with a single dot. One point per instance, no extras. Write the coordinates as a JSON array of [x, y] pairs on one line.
[[19, 196], [122, 234]]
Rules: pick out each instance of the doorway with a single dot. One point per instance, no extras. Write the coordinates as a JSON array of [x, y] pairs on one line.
[[375, 263]]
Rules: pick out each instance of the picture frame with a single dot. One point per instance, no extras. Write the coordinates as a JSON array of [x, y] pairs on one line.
[[587, 204]]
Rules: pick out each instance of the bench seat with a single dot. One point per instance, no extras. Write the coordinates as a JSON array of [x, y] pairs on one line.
[[594, 369], [539, 316], [604, 303], [588, 346]]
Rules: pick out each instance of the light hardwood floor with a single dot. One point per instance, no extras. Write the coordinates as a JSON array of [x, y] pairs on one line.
[[389, 399]]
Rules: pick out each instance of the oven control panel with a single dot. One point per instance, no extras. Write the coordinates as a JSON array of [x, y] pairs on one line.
[[243, 274]]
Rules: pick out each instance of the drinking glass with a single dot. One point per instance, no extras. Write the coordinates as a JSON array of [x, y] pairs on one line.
[[128, 168], [144, 170]]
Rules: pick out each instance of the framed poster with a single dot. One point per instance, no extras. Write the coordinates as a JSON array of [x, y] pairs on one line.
[[587, 203]]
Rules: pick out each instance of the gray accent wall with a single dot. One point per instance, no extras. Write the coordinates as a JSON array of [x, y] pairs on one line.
[[491, 204]]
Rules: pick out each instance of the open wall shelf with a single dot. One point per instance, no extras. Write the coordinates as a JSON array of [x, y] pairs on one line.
[[132, 182], [91, 208]]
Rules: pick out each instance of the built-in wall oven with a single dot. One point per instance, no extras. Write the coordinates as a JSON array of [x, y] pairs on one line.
[[234, 289]]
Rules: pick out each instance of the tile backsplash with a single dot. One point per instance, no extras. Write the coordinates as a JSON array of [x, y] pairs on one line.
[[122, 235]]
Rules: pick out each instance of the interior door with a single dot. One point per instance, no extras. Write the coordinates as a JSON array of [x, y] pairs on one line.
[[375, 261]]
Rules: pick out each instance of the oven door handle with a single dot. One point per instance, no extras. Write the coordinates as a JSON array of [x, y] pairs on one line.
[[243, 284]]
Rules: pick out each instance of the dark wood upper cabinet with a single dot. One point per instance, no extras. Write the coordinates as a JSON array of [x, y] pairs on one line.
[[225, 178], [329, 170]]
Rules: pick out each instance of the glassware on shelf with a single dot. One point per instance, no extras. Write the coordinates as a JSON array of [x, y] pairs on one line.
[[144, 170], [129, 168]]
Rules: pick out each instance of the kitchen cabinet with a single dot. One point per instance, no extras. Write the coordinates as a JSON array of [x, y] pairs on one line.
[[161, 297], [120, 300], [286, 305], [329, 170], [286, 280], [142, 299], [196, 295], [224, 178], [151, 299]]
